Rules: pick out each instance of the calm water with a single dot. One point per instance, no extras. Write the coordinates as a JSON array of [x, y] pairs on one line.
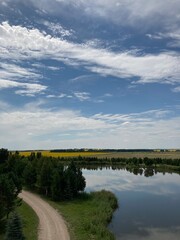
[[149, 207]]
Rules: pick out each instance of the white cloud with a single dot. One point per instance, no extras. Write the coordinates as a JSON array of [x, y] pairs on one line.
[[176, 89], [29, 89], [173, 37], [82, 96], [139, 13], [14, 76], [14, 72], [20, 43], [71, 129], [40, 65], [107, 95], [57, 29]]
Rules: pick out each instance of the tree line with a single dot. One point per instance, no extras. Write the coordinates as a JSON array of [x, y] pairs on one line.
[[133, 161]]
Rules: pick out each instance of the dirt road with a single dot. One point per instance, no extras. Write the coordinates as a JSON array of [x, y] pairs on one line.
[[51, 224]]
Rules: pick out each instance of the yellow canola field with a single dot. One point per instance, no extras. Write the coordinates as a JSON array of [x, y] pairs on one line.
[[62, 154]]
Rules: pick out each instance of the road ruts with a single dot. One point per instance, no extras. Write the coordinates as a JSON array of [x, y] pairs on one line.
[[51, 223]]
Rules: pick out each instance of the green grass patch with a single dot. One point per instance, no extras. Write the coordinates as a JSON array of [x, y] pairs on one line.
[[89, 215], [30, 222]]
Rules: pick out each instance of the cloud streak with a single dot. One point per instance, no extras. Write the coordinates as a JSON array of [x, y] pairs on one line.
[[26, 89], [23, 80], [20, 43]]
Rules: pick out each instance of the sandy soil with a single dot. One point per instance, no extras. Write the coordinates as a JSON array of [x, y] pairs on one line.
[[51, 223]]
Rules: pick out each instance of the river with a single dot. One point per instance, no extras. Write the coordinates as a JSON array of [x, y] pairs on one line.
[[149, 203]]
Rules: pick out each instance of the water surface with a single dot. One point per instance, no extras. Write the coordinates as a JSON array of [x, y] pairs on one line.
[[149, 207]]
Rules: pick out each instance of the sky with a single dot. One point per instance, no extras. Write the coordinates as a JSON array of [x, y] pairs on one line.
[[89, 74]]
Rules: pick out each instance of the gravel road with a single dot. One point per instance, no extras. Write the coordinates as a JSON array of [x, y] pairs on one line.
[[51, 223]]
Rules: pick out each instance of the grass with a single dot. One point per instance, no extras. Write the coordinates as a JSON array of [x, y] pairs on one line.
[[89, 215], [30, 222]]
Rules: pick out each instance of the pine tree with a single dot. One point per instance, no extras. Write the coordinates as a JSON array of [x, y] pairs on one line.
[[45, 177], [30, 175], [14, 228]]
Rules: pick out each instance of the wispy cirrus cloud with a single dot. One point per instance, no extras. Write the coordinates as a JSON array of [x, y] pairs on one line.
[[21, 43], [23, 88], [13, 71], [81, 96], [24, 81], [172, 36]]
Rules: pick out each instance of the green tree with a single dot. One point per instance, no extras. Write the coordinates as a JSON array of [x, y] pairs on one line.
[[8, 194], [32, 156], [81, 181], [57, 184], [38, 155], [148, 161], [4, 154], [45, 177], [14, 228], [29, 175], [74, 180]]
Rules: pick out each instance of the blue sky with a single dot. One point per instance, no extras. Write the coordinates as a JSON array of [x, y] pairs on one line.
[[89, 74]]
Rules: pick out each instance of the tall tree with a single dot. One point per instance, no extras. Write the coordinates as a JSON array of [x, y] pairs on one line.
[[8, 193], [14, 228], [75, 181], [30, 175], [45, 177], [58, 184]]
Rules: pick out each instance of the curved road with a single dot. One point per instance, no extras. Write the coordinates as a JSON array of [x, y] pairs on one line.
[[51, 224]]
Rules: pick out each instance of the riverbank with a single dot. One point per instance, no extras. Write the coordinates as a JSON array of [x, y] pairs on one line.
[[88, 215]]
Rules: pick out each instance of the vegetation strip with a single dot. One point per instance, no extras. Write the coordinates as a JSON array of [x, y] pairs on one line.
[[89, 214]]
